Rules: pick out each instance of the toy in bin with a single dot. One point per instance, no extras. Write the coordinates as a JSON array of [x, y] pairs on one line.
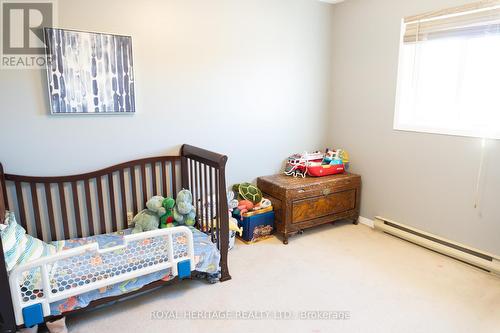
[[317, 164], [253, 212]]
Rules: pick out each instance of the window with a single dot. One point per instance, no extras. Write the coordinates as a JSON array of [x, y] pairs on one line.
[[449, 72]]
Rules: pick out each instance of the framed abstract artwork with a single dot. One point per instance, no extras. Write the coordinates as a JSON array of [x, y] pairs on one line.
[[89, 73]]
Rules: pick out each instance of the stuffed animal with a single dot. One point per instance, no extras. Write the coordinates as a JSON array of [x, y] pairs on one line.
[[247, 191], [167, 219], [232, 202], [149, 218], [244, 206], [265, 203], [184, 211]]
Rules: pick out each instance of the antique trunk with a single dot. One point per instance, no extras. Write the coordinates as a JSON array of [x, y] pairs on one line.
[[301, 203]]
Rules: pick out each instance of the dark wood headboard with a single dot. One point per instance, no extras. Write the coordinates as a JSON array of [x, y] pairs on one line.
[[62, 207]]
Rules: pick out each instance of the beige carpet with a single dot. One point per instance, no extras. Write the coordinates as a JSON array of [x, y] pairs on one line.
[[386, 284]]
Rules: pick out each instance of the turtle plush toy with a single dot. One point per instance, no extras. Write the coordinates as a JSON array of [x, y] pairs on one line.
[[167, 220], [247, 191]]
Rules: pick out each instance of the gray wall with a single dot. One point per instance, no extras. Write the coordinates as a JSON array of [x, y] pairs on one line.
[[424, 180], [250, 79]]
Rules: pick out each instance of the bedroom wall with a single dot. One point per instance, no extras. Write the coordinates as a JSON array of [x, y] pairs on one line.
[[424, 180], [250, 79]]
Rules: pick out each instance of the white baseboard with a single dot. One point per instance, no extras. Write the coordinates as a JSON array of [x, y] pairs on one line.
[[367, 222]]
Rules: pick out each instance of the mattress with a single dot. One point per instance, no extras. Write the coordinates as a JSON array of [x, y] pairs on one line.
[[206, 254]]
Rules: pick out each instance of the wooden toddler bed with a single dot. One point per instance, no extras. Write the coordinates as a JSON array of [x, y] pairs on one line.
[[100, 202]]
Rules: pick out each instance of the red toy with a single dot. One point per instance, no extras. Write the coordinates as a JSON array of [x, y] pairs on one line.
[[325, 170], [312, 164]]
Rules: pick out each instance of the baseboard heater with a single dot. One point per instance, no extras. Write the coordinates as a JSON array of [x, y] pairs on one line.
[[474, 257]]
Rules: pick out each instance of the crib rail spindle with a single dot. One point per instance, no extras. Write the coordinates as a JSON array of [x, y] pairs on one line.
[[164, 186], [153, 176], [64, 211], [100, 205], [50, 210], [173, 165], [20, 202], [112, 201], [36, 210], [144, 185], [135, 201], [88, 200], [124, 200], [76, 207]]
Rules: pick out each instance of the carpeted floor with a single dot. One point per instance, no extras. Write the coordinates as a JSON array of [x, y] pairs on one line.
[[385, 284]]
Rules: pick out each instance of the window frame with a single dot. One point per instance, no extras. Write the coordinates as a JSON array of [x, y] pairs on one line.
[[417, 128]]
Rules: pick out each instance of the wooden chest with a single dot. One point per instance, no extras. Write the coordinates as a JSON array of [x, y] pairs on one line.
[[301, 203]]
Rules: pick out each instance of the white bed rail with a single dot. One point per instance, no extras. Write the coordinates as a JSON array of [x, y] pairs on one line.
[[85, 268]]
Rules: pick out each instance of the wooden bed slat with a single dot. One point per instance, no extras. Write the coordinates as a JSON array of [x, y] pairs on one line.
[[164, 188], [199, 199], [64, 211], [112, 202], [135, 201], [20, 201], [194, 187], [36, 211], [153, 174], [100, 204], [76, 207], [191, 177], [50, 210], [124, 200], [184, 172], [88, 200], [144, 185], [209, 206], [188, 174], [218, 211], [173, 165], [211, 193]]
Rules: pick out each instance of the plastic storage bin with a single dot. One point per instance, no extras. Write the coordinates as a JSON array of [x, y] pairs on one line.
[[256, 227]]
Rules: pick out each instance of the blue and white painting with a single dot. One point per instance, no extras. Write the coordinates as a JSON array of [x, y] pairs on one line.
[[89, 73]]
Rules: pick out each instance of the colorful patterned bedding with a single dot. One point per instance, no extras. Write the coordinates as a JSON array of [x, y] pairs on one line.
[[207, 259]]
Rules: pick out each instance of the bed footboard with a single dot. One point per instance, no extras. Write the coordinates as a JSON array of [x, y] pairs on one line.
[[35, 285]]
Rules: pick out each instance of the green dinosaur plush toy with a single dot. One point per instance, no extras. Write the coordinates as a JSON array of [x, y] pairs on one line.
[[149, 218], [184, 211], [167, 220]]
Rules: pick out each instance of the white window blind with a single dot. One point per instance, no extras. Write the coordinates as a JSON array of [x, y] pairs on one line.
[[449, 72]]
